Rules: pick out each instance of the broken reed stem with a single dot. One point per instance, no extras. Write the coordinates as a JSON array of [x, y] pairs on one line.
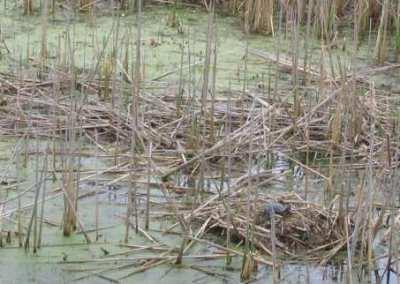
[[306, 39], [96, 184], [228, 159], [138, 57], [213, 82], [33, 220], [382, 40], [135, 120], [397, 31], [274, 250], [43, 199], [18, 170], [138, 79], [306, 173], [149, 172], [79, 139], [28, 7], [392, 205], [128, 211], [43, 50], [38, 187], [371, 193], [248, 261], [207, 60], [69, 185]]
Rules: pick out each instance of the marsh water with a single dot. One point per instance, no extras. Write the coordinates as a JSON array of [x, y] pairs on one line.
[[69, 259]]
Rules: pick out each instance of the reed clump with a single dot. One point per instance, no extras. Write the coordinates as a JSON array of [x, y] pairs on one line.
[[327, 16], [258, 15], [28, 7], [307, 229]]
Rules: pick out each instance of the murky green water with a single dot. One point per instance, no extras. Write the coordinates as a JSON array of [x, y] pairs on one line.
[[87, 40], [55, 261]]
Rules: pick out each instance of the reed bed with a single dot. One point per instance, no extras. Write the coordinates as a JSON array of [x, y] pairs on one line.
[[210, 153], [174, 133], [257, 122]]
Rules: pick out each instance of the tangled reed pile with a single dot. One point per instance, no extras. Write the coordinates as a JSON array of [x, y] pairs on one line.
[[339, 123], [191, 138], [307, 229]]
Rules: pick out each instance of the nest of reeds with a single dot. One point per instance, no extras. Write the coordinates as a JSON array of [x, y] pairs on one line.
[[304, 229]]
